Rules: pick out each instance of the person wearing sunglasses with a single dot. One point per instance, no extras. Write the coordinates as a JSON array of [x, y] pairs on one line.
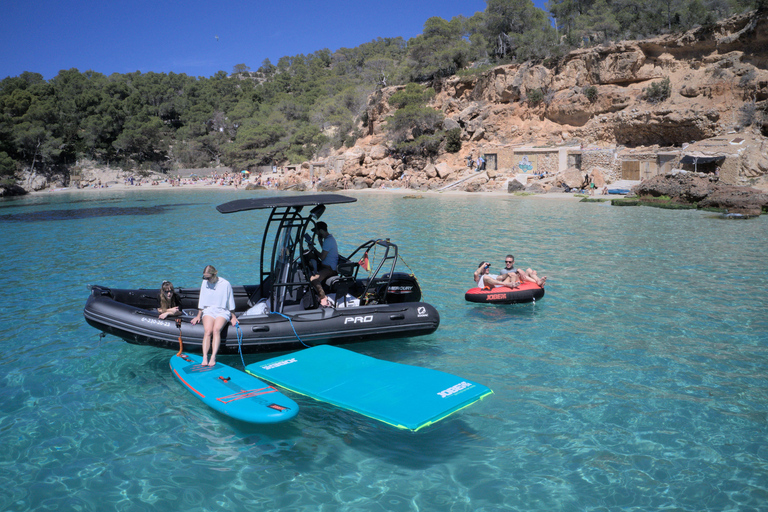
[[216, 307], [486, 280], [524, 275], [170, 303]]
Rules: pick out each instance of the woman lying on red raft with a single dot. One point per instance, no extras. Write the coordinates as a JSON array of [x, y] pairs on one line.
[[510, 287]]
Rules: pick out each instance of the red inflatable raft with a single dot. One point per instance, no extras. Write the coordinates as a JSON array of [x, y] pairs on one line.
[[526, 292]]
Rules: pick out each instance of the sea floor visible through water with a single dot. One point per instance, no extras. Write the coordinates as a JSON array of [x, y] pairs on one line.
[[639, 382]]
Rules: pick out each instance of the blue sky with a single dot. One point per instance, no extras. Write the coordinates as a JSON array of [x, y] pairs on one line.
[[114, 36]]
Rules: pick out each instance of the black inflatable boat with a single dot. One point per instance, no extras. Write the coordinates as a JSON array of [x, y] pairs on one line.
[[281, 313]]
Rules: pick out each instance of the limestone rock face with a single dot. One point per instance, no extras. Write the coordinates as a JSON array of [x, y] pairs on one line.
[[450, 124], [35, 182], [706, 192], [571, 177], [508, 83], [598, 175], [686, 187], [328, 186], [665, 126], [515, 186], [596, 96], [355, 153], [385, 172], [378, 152], [12, 190], [443, 170]]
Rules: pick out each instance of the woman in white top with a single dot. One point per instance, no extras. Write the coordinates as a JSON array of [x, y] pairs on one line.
[[216, 306]]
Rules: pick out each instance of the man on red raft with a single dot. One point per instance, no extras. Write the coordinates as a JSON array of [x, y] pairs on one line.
[[485, 280], [524, 275]]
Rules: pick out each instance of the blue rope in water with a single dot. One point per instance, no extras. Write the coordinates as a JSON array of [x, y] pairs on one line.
[[240, 343], [292, 327]]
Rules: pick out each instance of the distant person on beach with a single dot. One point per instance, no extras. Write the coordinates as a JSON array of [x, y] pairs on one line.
[[170, 303], [485, 280], [524, 275], [216, 306], [328, 260]]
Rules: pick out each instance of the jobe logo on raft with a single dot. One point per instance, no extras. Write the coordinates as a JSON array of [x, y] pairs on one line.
[[454, 389], [279, 363]]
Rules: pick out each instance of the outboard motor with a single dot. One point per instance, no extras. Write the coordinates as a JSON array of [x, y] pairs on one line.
[[402, 288]]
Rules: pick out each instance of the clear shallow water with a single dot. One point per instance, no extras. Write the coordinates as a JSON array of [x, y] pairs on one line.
[[637, 383]]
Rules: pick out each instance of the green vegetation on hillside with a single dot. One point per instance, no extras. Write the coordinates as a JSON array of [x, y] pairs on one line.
[[305, 105]]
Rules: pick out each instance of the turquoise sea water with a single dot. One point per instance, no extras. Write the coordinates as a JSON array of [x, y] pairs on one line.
[[638, 383]]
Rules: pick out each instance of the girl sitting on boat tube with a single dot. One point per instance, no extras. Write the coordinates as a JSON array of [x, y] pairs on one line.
[[216, 306], [486, 281], [170, 303]]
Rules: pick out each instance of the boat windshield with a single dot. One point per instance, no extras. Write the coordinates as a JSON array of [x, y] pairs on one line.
[[286, 266]]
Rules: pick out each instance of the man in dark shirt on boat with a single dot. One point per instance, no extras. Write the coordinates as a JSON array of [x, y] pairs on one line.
[[329, 260], [524, 275]]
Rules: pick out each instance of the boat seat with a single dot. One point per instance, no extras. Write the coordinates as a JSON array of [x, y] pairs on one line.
[[344, 280]]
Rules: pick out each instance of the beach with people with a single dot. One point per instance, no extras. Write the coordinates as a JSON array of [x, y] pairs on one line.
[[103, 180]]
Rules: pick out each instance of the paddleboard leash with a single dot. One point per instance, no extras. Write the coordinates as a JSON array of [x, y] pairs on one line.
[[181, 346], [240, 343]]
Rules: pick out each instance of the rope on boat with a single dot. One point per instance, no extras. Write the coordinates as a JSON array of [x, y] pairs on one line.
[[240, 343], [413, 274], [292, 327], [181, 346]]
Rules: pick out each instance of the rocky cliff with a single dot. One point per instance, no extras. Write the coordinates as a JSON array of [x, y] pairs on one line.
[[718, 83]]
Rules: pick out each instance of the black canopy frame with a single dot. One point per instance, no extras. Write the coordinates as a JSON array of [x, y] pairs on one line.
[[284, 270]]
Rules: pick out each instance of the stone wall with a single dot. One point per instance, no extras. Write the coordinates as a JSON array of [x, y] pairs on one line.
[[730, 170], [520, 161], [549, 163], [605, 159]]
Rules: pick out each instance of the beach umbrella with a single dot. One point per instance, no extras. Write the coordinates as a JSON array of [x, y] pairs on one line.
[[245, 171]]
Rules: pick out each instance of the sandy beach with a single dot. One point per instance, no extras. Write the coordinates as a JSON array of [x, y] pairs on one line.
[[203, 185]]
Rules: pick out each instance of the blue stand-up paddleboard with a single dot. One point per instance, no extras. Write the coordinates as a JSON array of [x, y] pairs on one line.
[[407, 397], [232, 392]]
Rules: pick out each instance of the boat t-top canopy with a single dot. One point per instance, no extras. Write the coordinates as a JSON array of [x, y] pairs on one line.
[[284, 270], [242, 205]]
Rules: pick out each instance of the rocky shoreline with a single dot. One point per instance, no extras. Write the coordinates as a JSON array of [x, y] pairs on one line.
[[704, 192], [680, 189]]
